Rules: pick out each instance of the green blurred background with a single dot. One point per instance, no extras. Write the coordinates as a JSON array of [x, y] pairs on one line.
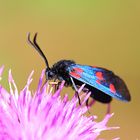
[[102, 33]]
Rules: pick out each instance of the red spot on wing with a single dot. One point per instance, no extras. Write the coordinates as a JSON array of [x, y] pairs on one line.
[[78, 70], [112, 88], [98, 81], [99, 75], [74, 74]]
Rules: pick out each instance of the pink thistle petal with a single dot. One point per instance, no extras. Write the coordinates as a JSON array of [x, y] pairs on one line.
[[40, 81], [45, 115], [116, 139], [1, 70]]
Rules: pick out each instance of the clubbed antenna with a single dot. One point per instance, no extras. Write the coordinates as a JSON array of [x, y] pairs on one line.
[[36, 46]]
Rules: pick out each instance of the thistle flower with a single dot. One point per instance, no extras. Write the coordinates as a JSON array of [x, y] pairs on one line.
[[44, 115]]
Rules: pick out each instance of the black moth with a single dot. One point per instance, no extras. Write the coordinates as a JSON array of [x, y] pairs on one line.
[[102, 83]]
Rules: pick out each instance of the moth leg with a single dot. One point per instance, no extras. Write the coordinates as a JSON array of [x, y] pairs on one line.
[[76, 90], [92, 102], [108, 108], [87, 105], [51, 83], [86, 90], [87, 101], [55, 84]]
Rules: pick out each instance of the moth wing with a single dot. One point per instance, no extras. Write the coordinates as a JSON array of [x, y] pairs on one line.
[[101, 79]]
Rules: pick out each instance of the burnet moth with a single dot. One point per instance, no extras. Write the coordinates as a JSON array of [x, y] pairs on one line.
[[102, 83]]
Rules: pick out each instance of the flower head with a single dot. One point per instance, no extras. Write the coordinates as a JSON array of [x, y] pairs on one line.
[[44, 115]]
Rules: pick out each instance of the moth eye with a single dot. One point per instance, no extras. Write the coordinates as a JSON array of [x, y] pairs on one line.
[[49, 75]]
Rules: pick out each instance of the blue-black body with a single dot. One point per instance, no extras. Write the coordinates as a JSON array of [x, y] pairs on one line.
[[102, 83]]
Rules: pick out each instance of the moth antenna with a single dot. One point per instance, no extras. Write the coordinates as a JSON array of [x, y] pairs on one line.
[[36, 46]]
